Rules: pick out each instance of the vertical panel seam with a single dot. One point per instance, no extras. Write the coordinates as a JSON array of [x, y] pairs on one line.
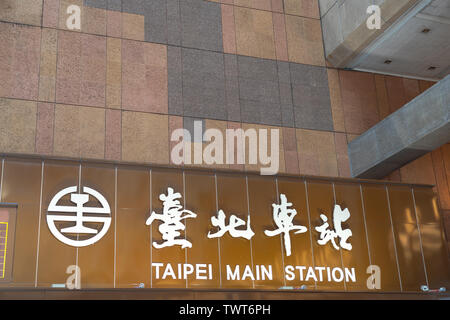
[[39, 222], [281, 236], [310, 229], [393, 238], [420, 238], [248, 212]]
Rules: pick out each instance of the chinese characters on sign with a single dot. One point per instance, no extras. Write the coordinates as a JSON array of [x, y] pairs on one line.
[[171, 217], [283, 216], [326, 234]]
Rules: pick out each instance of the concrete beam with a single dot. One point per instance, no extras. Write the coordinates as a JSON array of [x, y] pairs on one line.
[[417, 128], [344, 27]]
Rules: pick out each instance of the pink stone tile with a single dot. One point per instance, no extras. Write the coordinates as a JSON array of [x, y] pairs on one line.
[[19, 61], [277, 6], [291, 162], [114, 24], [25, 62], [289, 139], [69, 69], [68, 91], [113, 135], [144, 76], [228, 29], [44, 128], [279, 27], [50, 13], [93, 65], [69, 43]]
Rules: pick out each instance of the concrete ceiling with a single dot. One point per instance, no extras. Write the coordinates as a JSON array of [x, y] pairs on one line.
[[411, 51]]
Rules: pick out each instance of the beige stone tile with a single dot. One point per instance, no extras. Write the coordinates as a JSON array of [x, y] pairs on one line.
[[255, 4], [336, 100], [317, 153], [47, 71], [145, 137], [254, 33], [304, 8], [18, 126], [305, 40], [79, 132], [133, 26], [94, 21], [21, 11]]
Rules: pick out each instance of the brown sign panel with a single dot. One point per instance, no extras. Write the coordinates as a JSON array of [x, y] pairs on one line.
[[86, 225]]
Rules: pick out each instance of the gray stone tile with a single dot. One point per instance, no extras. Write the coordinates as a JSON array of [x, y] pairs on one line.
[[260, 112], [115, 5], [258, 90], [134, 6], [155, 21], [201, 25], [312, 109], [285, 94], [256, 68], [233, 102], [173, 22], [308, 75], [284, 74], [101, 4], [209, 104], [287, 115], [175, 82]]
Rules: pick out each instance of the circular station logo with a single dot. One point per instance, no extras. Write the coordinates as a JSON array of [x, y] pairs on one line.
[[75, 224]]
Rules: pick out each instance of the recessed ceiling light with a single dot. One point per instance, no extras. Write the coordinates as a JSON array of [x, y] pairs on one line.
[[388, 61], [426, 30]]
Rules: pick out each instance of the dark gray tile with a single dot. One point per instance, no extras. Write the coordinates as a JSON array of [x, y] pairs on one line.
[[201, 25], [260, 112], [155, 12], [175, 82], [287, 115], [308, 75], [256, 68], [173, 22], [258, 90], [284, 74], [233, 102], [285, 94], [204, 84], [115, 5], [101, 4], [312, 108], [207, 102], [134, 6]]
